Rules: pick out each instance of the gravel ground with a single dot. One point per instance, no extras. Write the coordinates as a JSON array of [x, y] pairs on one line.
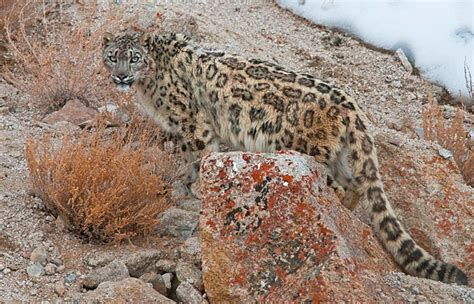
[[258, 29]]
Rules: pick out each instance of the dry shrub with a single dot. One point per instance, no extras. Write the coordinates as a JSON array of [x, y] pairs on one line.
[[453, 137], [60, 58], [108, 185]]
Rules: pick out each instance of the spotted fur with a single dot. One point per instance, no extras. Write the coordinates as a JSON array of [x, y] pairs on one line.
[[206, 98]]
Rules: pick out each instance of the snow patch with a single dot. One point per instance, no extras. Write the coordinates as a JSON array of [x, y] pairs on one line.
[[437, 35]]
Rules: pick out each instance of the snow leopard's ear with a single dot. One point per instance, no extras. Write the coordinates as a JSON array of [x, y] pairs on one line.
[[146, 39], [107, 39]]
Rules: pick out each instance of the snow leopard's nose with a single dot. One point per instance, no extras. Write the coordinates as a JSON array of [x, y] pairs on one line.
[[122, 79]]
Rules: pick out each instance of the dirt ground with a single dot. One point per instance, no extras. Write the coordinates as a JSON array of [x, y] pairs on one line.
[[257, 29]]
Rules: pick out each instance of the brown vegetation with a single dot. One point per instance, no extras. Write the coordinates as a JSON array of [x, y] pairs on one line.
[[106, 186], [452, 136], [55, 61]]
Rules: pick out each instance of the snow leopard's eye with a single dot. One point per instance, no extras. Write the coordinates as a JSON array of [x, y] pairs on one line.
[[135, 59], [112, 58]]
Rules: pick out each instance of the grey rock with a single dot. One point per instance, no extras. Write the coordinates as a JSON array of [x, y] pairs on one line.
[[130, 290], [395, 124], [187, 272], [191, 250], [156, 280], [178, 223], [70, 277], [116, 112], [194, 205], [396, 141], [420, 132], [404, 60], [444, 153], [50, 269], [6, 271], [35, 270], [39, 255], [140, 262], [56, 261], [187, 294], [115, 271], [165, 265], [99, 259], [168, 279], [60, 288]]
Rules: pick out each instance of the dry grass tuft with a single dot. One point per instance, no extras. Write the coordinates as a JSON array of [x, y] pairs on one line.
[[108, 185], [453, 137], [59, 58]]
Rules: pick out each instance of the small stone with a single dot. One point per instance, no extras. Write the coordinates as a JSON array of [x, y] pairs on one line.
[[2, 267], [156, 280], [471, 295], [56, 261], [60, 288], [34, 292], [35, 270], [187, 294], [70, 277], [168, 279], [395, 124], [166, 266], [396, 141], [39, 255], [178, 223], [99, 259], [140, 262], [73, 111], [4, 110], [50, 269], [404, 60], [420, 132], [115, 271], [415, 290], [61, 268], [191, 250], [186, 272], [6, 271], [335, 41], [444, 153], [60, 223]]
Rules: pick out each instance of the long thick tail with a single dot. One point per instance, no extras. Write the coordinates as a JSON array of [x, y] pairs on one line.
[[413, 259]]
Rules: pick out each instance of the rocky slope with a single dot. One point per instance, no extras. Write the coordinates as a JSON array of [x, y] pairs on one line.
[[40, 260]]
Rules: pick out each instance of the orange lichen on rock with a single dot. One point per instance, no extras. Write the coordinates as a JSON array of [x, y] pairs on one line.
[[277, 224]]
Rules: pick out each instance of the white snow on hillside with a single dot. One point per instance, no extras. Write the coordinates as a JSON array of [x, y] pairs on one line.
[[438, 35]]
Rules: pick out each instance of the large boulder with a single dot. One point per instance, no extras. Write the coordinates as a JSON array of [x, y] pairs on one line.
[[128, 290], [271, 231]]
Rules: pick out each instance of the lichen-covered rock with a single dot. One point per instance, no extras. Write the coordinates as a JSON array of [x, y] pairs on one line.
[[129, 290], [432, 200], [271, 231]]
